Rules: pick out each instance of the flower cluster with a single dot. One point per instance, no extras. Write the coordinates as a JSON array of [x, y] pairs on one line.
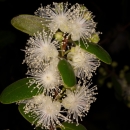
[[74, 20], [66, 24]]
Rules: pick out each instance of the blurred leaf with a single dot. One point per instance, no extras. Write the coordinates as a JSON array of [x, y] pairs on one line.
[[117, 86], [97, 50], [72, 126], [17, 91], [118, 97], [127, 76], [6, 37], [127, 101], [67, 73], [128, 104], [29, 24]]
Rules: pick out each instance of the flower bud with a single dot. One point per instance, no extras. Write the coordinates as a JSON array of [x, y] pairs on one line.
[[114, 64], [94, 38], [59, 36], [126, 68]]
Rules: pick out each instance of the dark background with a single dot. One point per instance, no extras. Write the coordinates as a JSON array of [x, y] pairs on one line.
[[113, 18]]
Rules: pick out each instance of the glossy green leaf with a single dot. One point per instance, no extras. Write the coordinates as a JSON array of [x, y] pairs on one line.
[[17, 91], [67, 73], [98, 51], [29, 24], [28, 116], [72, 126]]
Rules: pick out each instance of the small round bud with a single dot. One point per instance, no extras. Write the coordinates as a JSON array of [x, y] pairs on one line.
[[94, 38], [72, 49], [109, 84], [122, 74], [102, 71], [59, 36], [101, 81], [126, 68], [114, 64]]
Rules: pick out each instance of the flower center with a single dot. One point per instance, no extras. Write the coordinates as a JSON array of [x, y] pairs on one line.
[[47, 78], [69, 101]]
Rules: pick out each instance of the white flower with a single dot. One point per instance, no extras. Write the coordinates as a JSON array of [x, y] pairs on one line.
[[46, 113], [30, 104], [78, 102], [40, 49], [47, 79], [57, 16], [75, 20], [83, 62], [81, 24]]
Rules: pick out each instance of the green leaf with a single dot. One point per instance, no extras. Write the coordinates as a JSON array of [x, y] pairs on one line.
[[72, 126], [117, 86], [28, 116], [29, 24], [97, 50], [67, 73], [17, 91]]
